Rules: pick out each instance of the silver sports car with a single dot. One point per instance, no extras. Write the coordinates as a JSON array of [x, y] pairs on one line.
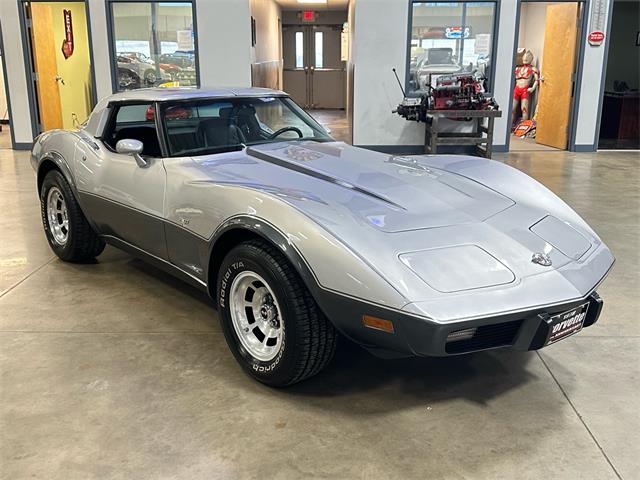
[[298, 237]]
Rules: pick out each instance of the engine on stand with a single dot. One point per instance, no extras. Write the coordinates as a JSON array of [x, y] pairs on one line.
[[458, 97], [462, 91]]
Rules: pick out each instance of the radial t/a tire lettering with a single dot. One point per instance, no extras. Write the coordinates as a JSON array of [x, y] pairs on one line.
[[271, 322]]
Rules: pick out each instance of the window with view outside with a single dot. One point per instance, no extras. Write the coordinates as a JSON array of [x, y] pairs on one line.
[[450, 37], [319, 63], [154, 44], [201, 127]]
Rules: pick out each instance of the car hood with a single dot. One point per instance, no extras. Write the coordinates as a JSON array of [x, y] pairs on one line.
[[428, 231], [392, 194]]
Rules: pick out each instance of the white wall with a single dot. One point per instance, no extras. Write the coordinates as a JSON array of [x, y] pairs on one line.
[[504, 68], [100, 43], [224, 42], [17, 81], [380, 44], [266, 14], [589, 100], [4, 114]]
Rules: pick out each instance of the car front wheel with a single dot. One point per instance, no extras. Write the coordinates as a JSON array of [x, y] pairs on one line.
[[69, 234], [271, 322]]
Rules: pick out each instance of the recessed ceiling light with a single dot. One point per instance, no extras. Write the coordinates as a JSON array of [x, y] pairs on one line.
[[312, 1]]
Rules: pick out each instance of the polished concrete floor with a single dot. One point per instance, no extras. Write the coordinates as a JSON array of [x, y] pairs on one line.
[[336, 121], [115, 370]]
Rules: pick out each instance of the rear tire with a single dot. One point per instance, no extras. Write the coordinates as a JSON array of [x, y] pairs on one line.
[[271, 322], [69, 234]]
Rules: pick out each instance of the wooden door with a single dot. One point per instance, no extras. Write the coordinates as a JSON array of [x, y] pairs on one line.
[[46, 68], [558, 65]]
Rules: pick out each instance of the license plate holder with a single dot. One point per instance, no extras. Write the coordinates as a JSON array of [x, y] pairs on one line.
[[567, 323]]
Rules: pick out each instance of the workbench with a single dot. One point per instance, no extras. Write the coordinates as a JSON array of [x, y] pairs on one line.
[[482, 138]]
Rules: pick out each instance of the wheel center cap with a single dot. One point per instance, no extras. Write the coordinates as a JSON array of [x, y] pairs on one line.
[[267, 312]]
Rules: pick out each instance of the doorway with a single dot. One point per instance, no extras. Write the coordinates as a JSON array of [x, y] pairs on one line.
[[546, 72], [57, 41], [620, 118], [313, 69]]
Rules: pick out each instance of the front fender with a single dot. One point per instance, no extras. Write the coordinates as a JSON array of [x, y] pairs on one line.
[[324, 263], [341, 308]]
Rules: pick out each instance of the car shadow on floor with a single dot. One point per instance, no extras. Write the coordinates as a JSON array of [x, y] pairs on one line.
[[478, 377]]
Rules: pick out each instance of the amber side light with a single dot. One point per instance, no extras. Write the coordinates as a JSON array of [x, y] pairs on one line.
[[378, 323]]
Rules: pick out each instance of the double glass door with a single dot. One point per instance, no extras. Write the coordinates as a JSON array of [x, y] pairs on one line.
[[314, 73]]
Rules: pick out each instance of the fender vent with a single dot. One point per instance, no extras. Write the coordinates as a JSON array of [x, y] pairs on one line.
[[486, 336]]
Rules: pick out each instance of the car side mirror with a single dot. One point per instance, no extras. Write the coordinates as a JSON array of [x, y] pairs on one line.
[[129, 146]]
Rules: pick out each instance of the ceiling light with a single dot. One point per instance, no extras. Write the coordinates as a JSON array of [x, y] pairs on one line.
[[313, 1]]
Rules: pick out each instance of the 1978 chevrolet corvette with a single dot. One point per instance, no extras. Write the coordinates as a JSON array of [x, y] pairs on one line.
[[297, 237]]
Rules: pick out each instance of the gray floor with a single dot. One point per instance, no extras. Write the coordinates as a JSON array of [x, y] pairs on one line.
[[115, 370]]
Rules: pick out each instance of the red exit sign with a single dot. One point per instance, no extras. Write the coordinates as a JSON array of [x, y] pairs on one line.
[[308, 16]]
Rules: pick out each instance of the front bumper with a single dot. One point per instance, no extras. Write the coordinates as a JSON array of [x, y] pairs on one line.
[[417, 336]]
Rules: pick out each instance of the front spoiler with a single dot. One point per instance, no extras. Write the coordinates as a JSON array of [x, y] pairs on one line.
[[418, 336]]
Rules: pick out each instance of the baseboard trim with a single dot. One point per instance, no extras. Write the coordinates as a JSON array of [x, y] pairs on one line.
[[22, 146], [585, 148], [500, 148]]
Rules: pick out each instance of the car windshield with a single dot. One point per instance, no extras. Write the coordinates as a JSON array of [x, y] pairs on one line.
[[200, 127]]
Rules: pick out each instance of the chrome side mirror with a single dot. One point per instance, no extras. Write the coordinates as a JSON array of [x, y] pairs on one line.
[[129, 146]]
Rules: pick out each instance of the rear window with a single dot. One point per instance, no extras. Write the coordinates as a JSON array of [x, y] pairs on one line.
[[135, 113]]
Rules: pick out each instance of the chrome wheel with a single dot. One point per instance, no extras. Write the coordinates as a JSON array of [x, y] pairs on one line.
[[255, 315], [151, 77], [126, 80], [57, 216]]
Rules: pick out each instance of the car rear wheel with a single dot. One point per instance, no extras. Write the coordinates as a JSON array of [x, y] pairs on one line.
[[69, 234], [271, 322], [150, 77]]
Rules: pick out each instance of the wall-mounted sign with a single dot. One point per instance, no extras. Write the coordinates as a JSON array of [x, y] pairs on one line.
[[457, 32], [596, 38], [309, 16], [482, 46], [67, 43], [185, 40], [598, 22]]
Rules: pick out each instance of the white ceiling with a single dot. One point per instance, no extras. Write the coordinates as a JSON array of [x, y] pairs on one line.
[[330, 5]]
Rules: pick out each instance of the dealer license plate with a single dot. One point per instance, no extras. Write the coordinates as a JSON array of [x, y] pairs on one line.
[[567, 323]]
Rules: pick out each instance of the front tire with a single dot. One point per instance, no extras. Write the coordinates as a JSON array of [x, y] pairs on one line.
[[69, 234], [271, 322]]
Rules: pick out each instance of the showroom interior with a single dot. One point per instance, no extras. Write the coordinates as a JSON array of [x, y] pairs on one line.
[[114, 368]]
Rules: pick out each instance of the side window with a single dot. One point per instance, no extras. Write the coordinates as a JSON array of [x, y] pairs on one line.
[[128, 114], [135, 122]]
